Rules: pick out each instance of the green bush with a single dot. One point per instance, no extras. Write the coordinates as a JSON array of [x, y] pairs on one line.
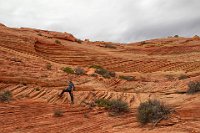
[[5, 96], [115, 106], [58, 113], [152, 111], [128, 78], [57, 42], [194, 87], [79, 71], [68, 70]]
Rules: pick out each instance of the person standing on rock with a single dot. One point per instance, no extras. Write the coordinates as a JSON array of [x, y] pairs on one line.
[[69, 89]]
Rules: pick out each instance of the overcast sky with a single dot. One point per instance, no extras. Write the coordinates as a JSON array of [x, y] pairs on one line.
[[107, 20]]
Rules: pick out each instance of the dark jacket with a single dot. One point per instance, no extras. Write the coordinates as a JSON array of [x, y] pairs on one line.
[[71, 86]]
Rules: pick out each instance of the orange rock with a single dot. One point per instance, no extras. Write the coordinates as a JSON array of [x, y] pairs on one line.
[[64, 36], [2, 25], [90, 71]]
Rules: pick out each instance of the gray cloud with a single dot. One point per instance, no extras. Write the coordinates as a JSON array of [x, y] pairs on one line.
[[108, 20]]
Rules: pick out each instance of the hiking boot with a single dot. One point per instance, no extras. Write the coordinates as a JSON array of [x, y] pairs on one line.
[[60, 95]]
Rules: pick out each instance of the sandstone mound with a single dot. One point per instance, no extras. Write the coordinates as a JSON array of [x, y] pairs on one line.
[[32, 63]]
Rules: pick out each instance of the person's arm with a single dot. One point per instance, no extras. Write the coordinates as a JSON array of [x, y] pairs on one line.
[[74, 87]]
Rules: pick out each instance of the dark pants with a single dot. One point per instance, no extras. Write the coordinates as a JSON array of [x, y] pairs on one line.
[[70, 93]]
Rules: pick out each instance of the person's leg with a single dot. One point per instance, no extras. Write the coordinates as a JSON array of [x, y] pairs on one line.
[[62, 92], [72, 97]]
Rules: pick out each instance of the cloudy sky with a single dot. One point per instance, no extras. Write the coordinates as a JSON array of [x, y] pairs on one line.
[[107, 20]]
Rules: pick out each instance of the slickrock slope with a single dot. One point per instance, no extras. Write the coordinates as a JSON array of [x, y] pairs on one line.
[[156, 66]]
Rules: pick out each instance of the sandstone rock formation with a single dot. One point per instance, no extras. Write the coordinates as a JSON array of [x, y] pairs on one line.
[[31, 67]]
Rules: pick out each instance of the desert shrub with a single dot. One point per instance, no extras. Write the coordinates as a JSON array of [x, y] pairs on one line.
[[128, 78], [57, 42], [103, 103], [152, 111], [194, 87], [79, 71], [68, 70], [183, 77], [5, 96], [79, 41], [87, 40], [176, 36], [112, 74], [110, 46], [58, 113], [85, 115], [94, 75], [118, 106], [142, 42], [115, 106], [169, 77], [96, 66], [103, 72], [48, 66], [15, 59], [39, 34], [37, 89], [23, 82]]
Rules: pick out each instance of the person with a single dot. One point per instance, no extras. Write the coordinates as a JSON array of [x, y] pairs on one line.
[[69, 89]]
